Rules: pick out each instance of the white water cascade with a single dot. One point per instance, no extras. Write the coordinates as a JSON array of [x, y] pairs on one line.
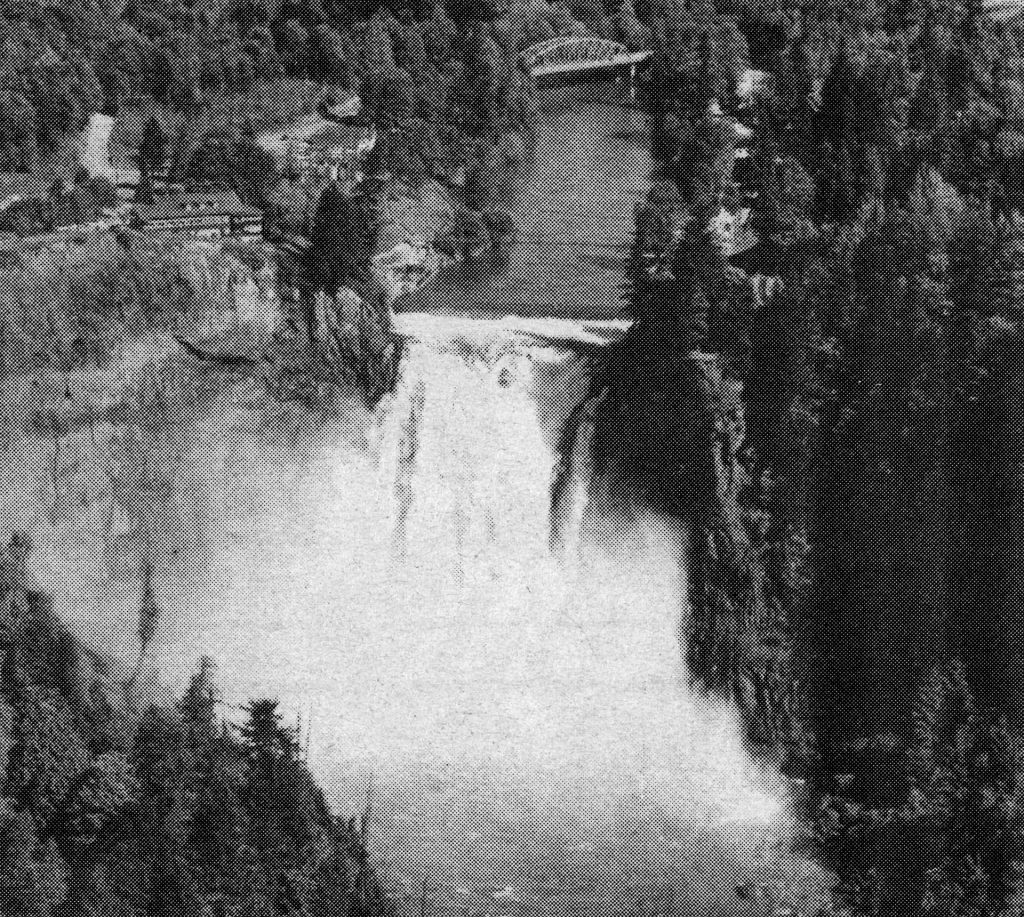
[[508, 710]]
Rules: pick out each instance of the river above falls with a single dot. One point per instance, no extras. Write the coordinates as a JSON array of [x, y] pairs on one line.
[[574, 217]]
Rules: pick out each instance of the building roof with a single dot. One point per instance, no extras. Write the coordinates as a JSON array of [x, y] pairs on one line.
[[339, 138], [206, 203]]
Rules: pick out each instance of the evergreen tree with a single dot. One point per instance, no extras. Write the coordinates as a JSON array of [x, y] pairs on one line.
[[18, 133], [47, 754], [272, 795], [149, 616], [343, 238], [144, 193], [171, 890], [21, 885], [964, 803], [153, 147]]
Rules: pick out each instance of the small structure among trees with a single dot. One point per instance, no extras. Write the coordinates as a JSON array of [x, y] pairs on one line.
[[199, 215]]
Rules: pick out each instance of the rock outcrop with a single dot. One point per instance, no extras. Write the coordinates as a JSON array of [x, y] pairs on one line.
[[356, 339], [673, 423], [229, 291], [327, 343]]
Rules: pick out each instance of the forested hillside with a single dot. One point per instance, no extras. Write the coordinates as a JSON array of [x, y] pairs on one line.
[[112, 804], [440, 81], [855, 573]]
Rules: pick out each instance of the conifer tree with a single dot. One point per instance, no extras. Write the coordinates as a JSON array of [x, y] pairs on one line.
[[153, 147], [964, 806], [343, 238], [215, 828], [149, 616]]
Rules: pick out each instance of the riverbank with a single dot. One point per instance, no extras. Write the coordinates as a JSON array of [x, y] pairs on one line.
[[573, 216], [412, 223], [429, 231]]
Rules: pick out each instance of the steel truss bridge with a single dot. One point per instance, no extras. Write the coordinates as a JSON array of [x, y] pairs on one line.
[[578, 53]]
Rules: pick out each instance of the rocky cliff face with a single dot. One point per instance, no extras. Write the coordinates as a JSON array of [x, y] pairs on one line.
[[231, 289], [331, 343], [95, 457], [356, 338], [673, 422]]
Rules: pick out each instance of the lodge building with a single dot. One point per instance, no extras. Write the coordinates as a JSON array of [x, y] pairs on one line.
[[199, 215]]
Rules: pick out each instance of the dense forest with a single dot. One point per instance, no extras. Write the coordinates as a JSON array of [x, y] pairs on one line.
[[856, 580], [190, 83]]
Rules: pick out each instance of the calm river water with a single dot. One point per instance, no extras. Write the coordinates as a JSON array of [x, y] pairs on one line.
[[574, 213]]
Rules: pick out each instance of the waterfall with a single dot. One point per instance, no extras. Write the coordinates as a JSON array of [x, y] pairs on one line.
[[390, 577]]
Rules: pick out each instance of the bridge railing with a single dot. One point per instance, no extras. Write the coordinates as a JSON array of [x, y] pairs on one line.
[[571, 49]]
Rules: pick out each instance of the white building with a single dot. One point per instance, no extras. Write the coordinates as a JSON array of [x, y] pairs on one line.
[[749, 84]]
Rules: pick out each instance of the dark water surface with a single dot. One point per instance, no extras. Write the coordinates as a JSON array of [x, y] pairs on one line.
[[574, 213]]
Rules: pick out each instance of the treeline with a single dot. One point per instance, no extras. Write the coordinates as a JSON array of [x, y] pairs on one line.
[[440, 79], [109, 807], [62, 62], [859, 594], [83, 202]]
